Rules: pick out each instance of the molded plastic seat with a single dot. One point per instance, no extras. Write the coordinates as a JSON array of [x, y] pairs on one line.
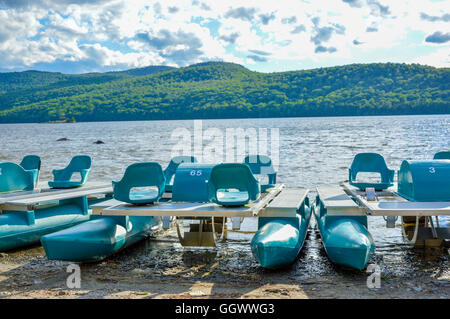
[[370, 163], [32, 163], [232, 176], [13, 178], [442, 155], [172, 168], [262, 164], [140, 175], [62, 177]]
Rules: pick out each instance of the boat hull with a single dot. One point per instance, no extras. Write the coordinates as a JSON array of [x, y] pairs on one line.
[[278, 241], [20, 229], [98, 238], [346, 239]]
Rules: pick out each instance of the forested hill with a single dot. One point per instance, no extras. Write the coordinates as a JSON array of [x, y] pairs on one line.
[[224, 90]]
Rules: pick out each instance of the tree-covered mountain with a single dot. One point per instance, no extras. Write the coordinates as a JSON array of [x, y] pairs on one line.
[[224, 90]]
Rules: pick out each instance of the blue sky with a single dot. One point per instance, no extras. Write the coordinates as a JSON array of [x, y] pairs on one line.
[[76, 36]]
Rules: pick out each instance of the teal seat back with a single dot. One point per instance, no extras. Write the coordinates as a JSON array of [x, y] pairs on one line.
[[146, 174], [170, 170], [32, 163], [262, 165], [442, 155], [232, 176], [79, 164], [189, 183], [370, 163], [13, 178]]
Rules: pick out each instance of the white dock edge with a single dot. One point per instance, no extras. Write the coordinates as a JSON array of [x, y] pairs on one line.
[[389, 203], [286, 203], [277, 205], [23, 202], [337, 202]]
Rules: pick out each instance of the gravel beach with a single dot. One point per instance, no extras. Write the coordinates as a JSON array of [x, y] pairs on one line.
[[160, 268]]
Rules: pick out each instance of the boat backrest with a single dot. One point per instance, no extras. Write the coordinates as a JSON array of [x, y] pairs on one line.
[[370, 163], [442, 155], [136, 175], [78, 164], [234, 176], [14, 178], [262, 165], [170, 170], [189, 183], [32, 163]]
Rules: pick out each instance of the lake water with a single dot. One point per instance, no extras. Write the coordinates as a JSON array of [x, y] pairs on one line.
[[312, 151]]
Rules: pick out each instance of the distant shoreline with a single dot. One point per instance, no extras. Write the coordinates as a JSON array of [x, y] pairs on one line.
[[231, 118], [220, 90]]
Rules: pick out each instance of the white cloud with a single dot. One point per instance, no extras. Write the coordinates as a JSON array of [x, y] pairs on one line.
[[111, 32], [439, 59]]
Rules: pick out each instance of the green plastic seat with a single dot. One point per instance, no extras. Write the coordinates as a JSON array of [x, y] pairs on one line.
[[262, 165], [442, 155], [13, 178], [170, 170], [232, 184], [147, 174], [370, 163], [62, 177], [32, 163]]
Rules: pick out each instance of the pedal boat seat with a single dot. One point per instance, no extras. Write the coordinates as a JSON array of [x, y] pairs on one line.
[[13, 178], [62, 177], [262, 165], [32, 163], [232, 184], [171, 169], [148, 174], [370, 163], [442, 155]]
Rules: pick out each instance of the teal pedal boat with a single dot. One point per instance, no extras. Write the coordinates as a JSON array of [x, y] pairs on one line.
[[103, 236], [24, 218], [346, 239], [98, 238], [279, 240]]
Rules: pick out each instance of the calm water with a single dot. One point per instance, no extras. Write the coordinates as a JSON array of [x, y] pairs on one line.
[[312, 150]]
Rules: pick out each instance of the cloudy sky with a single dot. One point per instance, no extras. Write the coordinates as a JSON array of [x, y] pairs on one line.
[[75, 36]]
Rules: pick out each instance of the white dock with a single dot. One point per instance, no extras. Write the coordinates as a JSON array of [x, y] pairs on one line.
[[337, 202], [389, 203], [278, 201], [23, 201]]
